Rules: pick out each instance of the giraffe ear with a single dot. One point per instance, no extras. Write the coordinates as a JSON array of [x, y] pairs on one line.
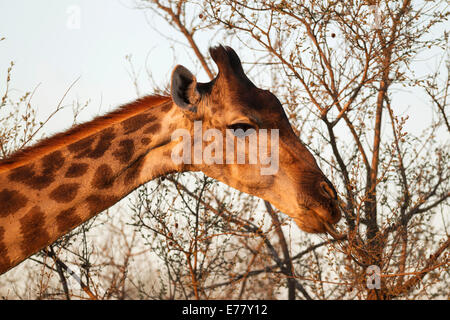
[[183, 88]]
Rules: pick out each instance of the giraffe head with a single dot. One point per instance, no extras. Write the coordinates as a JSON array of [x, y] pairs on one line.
[[231, 102]]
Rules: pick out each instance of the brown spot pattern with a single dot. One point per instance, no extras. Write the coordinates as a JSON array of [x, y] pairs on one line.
[[134, 170], [67, 220], [81, 145], [76, 170], [26, 175], [98, 203], [103, 177], [11, 201], [125, 151], [4, 260], [34, 235], [146, 141], [51, 163], [65, 192], [152, 129], [87, 150], [135, 123], [22, 174], [103, 144], [151, 118]]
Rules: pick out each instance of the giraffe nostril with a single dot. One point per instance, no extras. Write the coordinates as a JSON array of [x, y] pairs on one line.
[[328, 190]]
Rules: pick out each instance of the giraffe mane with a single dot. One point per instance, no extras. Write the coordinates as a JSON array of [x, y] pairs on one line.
[[78, 132]]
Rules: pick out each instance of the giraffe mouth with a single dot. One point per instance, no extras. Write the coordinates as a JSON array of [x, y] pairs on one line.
[[331, 230], [328, 226], [318, 220]]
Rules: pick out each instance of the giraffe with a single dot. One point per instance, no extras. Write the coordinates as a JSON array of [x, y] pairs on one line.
[[48, 189]]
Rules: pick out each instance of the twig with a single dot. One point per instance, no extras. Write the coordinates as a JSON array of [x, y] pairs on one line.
[[64, 267]]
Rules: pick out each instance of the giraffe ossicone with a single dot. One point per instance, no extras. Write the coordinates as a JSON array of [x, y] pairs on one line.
[[50, 188]]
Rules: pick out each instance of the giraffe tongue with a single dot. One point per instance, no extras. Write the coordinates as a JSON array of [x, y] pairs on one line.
[[333, 232]]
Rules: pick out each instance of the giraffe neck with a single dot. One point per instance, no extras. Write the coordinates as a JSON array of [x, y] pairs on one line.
[[52, 188]]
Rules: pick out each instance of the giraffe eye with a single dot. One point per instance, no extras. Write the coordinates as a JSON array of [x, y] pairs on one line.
[[241, 129]]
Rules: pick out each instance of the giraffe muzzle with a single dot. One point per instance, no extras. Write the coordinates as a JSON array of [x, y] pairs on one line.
[[333, 232]]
